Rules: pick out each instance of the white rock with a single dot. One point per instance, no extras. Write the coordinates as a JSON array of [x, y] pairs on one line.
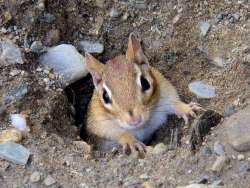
[[37, 47], [65, 60], [241, 157], [114, 13], [15, 72], [49, 181], [219, 163], [9, 53], [35, 177], [91, 47], [19, 122], [204, 27], [202, 90]]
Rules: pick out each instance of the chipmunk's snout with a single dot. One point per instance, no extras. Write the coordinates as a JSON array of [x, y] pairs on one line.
[[134, 119]]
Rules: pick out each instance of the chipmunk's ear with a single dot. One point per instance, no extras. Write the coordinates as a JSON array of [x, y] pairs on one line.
[[135, 52], [95, 68]]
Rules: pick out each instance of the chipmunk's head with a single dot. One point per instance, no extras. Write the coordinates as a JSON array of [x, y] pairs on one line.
[[126, 87]]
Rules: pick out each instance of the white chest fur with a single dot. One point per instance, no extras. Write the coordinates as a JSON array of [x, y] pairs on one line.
[[158, 118]]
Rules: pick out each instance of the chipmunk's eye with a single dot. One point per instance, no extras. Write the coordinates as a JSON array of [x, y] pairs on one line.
[[105, 97], [144, 84]]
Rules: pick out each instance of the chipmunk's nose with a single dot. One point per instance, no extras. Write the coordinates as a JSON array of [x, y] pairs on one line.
[[134, 120]]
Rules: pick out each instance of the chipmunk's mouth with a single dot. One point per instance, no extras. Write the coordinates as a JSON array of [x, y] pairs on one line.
[[132, 124]]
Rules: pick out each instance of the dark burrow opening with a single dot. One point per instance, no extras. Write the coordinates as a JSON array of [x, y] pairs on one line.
[[79, 95]]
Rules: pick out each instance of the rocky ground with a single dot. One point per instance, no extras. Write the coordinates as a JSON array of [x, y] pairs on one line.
[[187, 40]]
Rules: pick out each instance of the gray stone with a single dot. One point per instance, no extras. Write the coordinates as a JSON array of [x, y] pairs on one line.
[[159, 148], [217, 182], [204, 27], [219, 149], [37, 47], [9, 53], [3, 30], [140, 4], [15, 72], [207, 151], [15, 153], [234, 18], [218, 60], [91, 47], [16, 94], [114, 13], [238, 129], [100, 3], [241, 157], [220, 17], [245, 167], [49, 181], [219, 163], [41, 5], [66, 61], [202, 90], [35, 177], [49, 18]]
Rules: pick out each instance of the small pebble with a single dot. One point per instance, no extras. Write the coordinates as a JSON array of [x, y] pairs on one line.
[[217, 183], [15, 72], [4, 165], [19, 121], [49, 181], [125, 16], [37, 47], [114, 13], [244, 168], [49, 18], [159, 148], [207, 151], [144, 176], [3, 30], [219, 163], [241, 157], [148, 184], [9, 53], [41, 5], [83, 147], [91, 47], [204, 28], [219, 149], [176, 18], [35, 177]]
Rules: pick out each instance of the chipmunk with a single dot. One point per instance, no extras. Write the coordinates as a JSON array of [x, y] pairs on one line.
[[131, 99]]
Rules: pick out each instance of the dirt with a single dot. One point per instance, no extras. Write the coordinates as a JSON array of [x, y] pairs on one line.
[[174, 48]]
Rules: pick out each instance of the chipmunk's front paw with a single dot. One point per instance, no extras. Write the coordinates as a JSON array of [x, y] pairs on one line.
[[135, 148], [184, 110]]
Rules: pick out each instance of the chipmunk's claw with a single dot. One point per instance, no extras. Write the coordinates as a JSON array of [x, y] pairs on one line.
[[135, 148], [188, 110]]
